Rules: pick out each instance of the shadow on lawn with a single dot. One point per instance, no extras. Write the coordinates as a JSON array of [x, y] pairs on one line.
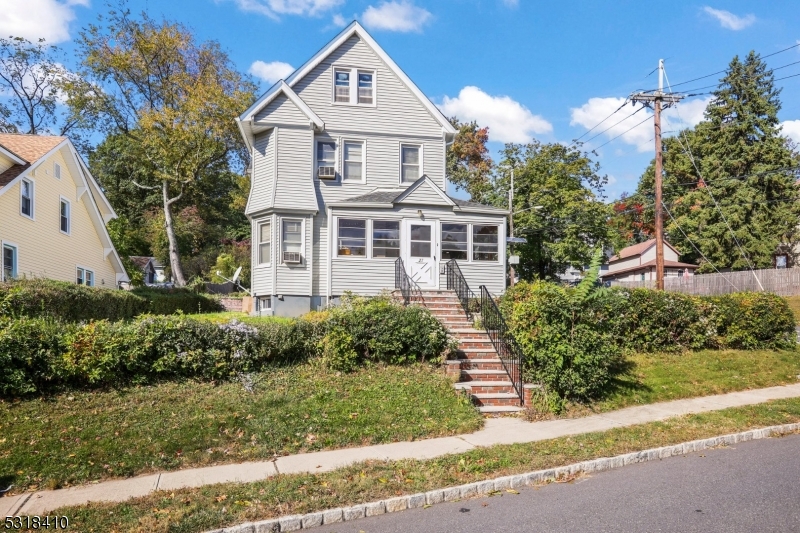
[[624, 381], [6, 483]]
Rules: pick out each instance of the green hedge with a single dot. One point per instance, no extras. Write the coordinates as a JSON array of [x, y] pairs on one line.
[[574, 346], [72, 303], [41, 355]]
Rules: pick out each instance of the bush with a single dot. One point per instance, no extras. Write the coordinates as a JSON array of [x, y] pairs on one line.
[[573, 345], [73, 303], [40, 355]]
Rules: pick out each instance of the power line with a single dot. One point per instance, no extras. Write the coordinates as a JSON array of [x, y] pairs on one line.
[[745, 77], [624, 132], [599, 123]]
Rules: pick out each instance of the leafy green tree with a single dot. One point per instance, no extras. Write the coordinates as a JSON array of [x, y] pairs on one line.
[[172, 98], [572, 219], [737, 159], [468, 165]]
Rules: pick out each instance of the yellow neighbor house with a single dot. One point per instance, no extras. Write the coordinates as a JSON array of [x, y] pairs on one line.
[[53, 214]]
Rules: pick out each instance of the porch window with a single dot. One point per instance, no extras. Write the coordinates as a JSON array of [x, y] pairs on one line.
[[64, 216], [409, 163], [352, 237], [341, 86], [9, 262], [85, 277], [454, 241], [353, 161], [292, 241], [264, 243], [485, 243], [365, 85], [385, 238], [26, 198]]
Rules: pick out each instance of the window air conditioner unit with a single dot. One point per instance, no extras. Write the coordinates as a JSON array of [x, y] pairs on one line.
[[327, 173], [291, 257]]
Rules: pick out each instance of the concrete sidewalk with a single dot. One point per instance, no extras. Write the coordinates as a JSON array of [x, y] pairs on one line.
[[496, 431]]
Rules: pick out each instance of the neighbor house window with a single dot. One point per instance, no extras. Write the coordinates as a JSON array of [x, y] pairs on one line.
[[341, 86], [352, 237], [64, 215], [365, 92], [326, 160], [353, 161], [385, 238], [292, 241], [57, 170], [85, 277], [264, 242], [26, 198], [9, 262], [409, 163], [485, 243], [454, 241]]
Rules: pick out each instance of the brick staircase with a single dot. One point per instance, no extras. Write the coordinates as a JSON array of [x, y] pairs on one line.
[[477, 365]]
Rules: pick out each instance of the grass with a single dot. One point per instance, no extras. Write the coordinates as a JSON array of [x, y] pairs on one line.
[[226, 316], [85, 436], [195, 510], [652, 378], [794, 304]]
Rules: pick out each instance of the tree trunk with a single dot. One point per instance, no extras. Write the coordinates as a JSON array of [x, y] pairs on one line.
[[174, 256]]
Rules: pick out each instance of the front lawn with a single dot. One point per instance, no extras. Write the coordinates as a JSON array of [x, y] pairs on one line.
[[214, 506], [794, 304], [224, 317], [651, 378], [84, 436]]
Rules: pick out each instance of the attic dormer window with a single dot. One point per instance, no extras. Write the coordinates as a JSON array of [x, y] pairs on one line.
[[353, 86]]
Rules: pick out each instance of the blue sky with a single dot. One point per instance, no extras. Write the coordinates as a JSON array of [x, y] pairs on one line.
[[526, 69]]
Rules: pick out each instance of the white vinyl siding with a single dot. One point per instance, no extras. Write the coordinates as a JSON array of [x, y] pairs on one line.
[[424, 194], [295, 279], [283, 112], [294, 187], [263, 177]]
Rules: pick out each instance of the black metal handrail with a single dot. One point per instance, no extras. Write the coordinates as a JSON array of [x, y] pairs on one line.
[[503, 341], [407, 286], [457, 283]]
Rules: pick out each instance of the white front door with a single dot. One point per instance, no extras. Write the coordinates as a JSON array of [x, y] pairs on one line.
[[420, 256]]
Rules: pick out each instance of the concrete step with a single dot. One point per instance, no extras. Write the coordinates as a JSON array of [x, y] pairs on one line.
[[499, 409], [480, 387]]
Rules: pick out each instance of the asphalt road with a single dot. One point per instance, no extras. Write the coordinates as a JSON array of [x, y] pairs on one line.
[[749, 487]]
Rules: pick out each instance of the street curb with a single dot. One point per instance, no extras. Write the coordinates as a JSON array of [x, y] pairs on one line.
[[481, 488]]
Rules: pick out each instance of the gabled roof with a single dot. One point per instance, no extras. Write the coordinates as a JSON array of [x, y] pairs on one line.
[[25, 150], [648, 265], [141, 261], [638, 249], [353, 29], [428, 185], [283, 88]]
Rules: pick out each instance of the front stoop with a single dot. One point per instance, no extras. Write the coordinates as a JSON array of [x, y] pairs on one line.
[[476, 364]]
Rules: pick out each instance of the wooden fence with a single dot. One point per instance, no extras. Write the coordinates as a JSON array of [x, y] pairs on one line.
[[784, 282]]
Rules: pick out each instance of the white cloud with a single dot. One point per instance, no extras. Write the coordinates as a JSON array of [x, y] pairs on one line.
[[38, 19], [339, 21], [729, 20], [791, 129], [402, 16], [511, 3], [270, 72], [507, 119], [275, 8], [685, 115]]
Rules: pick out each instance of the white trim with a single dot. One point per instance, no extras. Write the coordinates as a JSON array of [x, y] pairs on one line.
[[29, 171], [63, 200], [417, 184], [363, 143], [366, 238], [275, 167], [303, 258], [405, 247], [421, 147], [355, 29], [353, 87], [85, 270], [31, 197], [399, 222], [257, 258], [15, 246], [12, 156], [315, 159], [283, 88], [500, 244]]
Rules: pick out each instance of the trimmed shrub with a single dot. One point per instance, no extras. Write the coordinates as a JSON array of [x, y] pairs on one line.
[[39, 355], [73, 303]]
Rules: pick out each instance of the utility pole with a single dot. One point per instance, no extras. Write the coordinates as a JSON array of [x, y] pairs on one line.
[[656, 100], [511, 272]]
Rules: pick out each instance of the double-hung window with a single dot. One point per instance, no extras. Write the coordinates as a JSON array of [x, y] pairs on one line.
[[353, 161], [365, 88], [326, 160], [385, 238], [9, 262], [485, 243], [26, 198], [64, 216], [341, 87], [352, 237], [409, 163], [264, 242], [292, 241], [454, 241], [85, 277]]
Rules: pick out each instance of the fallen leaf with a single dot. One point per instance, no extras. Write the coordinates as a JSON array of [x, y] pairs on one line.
[[221, 498], [512, 491]]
